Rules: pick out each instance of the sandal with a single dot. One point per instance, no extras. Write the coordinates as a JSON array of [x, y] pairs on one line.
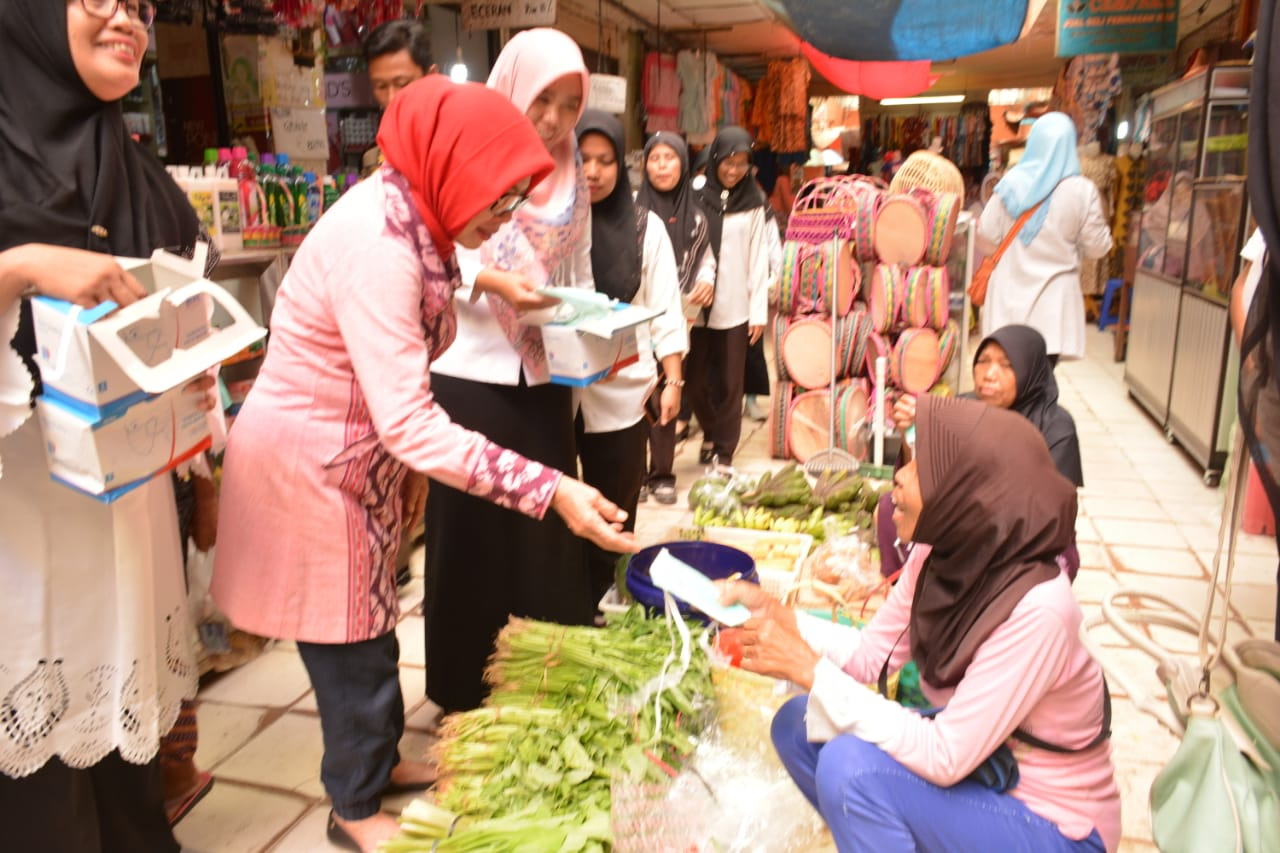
[[338, 836], [706, 454], [178, 807], [664, 493]]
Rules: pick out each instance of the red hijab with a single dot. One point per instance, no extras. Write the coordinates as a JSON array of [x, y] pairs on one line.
[[460, 146]]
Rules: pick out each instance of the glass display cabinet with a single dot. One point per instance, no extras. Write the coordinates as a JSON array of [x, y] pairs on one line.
[[1188, 248]]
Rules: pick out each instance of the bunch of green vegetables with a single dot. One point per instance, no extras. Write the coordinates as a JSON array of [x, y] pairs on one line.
[[426, 827], [572, 709]]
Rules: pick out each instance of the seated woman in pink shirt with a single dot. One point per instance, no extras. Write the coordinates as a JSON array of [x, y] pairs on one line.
[[990, 619], [326, 463]]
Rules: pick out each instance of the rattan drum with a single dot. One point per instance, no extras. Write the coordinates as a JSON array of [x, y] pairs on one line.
[[885, 298], [926, 300], [948, 341], [779, 406], [780, 323], [943, 213], [877, 346], [901, 233], [809, 419], [843, 285], [930, 171], [805, 350], [914, 365]]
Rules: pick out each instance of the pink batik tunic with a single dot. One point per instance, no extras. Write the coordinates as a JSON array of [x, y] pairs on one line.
[[311, 515]]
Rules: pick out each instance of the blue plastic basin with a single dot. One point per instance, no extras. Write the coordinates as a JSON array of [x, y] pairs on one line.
[[714, 560]]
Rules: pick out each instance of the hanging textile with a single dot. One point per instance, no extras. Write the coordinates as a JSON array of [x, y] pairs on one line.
[[873, 79], [1085, 89], [691, 69], [1101, 169], [780, 110], [1130, 175], [660, 91]]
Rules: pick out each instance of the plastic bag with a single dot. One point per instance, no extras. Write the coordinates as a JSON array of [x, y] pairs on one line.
[[843, 568]]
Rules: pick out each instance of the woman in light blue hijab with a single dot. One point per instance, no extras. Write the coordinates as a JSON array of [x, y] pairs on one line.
[[1037, 280]]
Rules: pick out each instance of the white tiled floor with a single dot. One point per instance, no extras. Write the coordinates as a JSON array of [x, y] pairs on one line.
[[1146, 520]]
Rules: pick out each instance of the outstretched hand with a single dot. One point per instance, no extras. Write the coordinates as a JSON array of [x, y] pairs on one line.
[[86, 278], [591, 515]]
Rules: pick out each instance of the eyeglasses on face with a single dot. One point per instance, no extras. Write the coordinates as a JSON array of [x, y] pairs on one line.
[[509, 203], [142, 11]]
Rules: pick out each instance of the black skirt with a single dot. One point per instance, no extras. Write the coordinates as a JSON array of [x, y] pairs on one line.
[[485, 563]]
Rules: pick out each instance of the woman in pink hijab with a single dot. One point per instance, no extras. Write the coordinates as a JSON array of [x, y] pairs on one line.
[[485, 565]]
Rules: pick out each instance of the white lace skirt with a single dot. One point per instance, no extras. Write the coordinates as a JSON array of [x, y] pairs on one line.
[[95, 650]]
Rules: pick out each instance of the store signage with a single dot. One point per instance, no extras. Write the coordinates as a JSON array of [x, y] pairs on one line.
[[495, 14], [609, 93], [348, 90], [300, 133], [1117, 26]]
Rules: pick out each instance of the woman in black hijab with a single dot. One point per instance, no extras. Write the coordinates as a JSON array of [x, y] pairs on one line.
[[1011, 369], [94, 626], [984, 611], [737, 219], [666, 191], [632, 261]]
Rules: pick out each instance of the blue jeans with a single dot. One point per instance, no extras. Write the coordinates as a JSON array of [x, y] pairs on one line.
[[871, 802]]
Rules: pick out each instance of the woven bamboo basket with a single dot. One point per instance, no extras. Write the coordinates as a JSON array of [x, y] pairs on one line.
[[929, 171]]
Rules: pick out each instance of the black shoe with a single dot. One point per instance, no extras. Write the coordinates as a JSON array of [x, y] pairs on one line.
[[665, 493], [682, 433], [706, 454], [402, 576]]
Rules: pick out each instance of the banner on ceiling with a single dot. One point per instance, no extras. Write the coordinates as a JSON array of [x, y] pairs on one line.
[[495, 14], [1117, 26]]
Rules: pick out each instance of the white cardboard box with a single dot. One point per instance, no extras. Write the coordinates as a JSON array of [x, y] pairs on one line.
[[596, 343], [98, 362], [108, 457]]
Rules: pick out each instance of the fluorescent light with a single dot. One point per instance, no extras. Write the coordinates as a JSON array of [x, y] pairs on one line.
[[923, 99], [1122, 130], [458, 73]]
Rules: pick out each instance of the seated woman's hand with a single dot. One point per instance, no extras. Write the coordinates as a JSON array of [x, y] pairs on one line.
[[591, 515], [516, 288], [85, 278], [904, 411]]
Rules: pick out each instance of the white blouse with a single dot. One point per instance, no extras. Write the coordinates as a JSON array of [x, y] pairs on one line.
[[1038, 285], [742, 275], [618, 403]]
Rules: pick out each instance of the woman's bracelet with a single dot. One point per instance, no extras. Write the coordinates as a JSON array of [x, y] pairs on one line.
[[674, 383]]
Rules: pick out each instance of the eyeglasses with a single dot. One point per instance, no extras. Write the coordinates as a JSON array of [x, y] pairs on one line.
[[142, 11], [509, 203]]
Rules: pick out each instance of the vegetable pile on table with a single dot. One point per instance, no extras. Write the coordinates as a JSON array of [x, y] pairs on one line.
[[836, 504], [572, 709]]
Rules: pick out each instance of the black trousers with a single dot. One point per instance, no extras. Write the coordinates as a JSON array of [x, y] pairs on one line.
[[756, 375], [361, 717], [486, 563], [111, 807], [716, 365], [613, 462]]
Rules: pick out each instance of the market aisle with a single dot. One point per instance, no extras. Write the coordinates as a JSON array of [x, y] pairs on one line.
[[1146, 520]]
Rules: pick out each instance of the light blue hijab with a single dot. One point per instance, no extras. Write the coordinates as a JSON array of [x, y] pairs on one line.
[[1050, 157]]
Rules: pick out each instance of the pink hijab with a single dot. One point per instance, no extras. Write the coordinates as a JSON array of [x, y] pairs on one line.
[[530, 62]]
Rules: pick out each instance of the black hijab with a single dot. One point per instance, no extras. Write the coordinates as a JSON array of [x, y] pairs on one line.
[[678, 209], [615, 247], [69, 173], [996, 513], [1037, 395], [718, 201]]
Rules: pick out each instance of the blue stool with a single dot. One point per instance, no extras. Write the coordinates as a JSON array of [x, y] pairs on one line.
[[1110, 313]]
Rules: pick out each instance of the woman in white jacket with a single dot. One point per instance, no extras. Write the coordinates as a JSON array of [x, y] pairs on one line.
[[736, 212], [632, 261], [1037, 281]]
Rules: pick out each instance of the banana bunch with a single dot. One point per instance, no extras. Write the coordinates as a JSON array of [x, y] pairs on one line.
[[758, 518], [707, 517], [810, 524], [836, 488]]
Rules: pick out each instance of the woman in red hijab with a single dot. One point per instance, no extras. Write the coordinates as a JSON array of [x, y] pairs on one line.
[[326, 462]]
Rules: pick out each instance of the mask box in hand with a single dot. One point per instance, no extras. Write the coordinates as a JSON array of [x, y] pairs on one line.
[[108, 457], [592, 343], [100, 361]]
